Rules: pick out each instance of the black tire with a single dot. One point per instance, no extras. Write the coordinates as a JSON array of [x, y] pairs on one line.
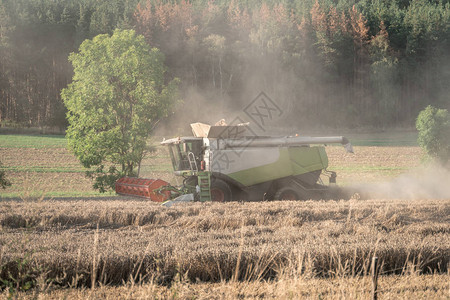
[[289, 193], [220, 191]]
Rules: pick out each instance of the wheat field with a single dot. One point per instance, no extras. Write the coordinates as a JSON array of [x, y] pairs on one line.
[[91, 243]]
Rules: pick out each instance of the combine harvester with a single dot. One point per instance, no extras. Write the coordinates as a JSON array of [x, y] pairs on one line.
[[220, 163]]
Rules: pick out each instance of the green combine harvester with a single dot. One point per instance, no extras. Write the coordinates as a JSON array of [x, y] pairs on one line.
[[221, 163]]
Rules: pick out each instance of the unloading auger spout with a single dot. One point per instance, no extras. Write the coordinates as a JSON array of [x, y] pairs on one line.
[[287, 142]]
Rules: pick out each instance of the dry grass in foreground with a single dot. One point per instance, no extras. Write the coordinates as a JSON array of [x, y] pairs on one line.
[[89, 243], [410, 286]]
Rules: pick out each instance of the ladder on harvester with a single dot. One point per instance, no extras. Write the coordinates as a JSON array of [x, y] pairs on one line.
[[192, 162], [204, 182]]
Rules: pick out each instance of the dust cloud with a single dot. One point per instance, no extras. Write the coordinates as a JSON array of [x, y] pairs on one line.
[[428, 182]]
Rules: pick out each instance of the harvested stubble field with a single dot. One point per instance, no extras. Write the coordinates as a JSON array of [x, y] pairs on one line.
[[75, 243], [129, 248]]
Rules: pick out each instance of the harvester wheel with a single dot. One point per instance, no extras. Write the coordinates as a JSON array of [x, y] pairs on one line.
[[220, 191], [288, 193]]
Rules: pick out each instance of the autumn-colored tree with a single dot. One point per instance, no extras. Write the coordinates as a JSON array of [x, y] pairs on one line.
[[359, 32], [318, 17], [143, 18], [239, 20]]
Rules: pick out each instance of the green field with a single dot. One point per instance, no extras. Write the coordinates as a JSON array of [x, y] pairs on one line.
[[386, 138], [32, 141]]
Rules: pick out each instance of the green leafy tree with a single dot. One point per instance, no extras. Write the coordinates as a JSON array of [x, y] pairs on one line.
[[117, 96], [433, 125]]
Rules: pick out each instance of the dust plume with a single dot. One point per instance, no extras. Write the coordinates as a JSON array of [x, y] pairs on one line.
[[428, 182]]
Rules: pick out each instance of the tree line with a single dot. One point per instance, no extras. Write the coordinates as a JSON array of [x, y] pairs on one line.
[[334, 63]]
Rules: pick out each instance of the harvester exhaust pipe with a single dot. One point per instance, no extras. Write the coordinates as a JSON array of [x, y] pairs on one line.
[[289, 141]]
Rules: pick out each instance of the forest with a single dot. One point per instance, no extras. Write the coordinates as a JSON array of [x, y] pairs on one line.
[[337, 63]]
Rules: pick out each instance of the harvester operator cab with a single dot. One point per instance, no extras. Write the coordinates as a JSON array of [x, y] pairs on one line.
[[186, 153]]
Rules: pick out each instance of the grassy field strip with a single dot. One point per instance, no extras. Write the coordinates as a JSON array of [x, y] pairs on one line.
[[32, 141], [156, 169], [384, 143], [369, 168], [43, 169], [407, 138]]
